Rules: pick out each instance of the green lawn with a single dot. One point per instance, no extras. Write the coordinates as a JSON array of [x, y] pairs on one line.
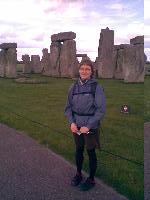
[[38, 109], [147, 98], [147, 69]]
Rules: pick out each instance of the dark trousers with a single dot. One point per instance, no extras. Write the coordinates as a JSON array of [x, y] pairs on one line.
[[92, 160], [91, 142]]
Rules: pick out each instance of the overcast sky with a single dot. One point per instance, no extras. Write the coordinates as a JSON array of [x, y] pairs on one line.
[[30, 23], [147, 27]]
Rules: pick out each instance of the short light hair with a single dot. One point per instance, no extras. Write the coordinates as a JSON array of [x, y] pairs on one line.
[[88, 63]]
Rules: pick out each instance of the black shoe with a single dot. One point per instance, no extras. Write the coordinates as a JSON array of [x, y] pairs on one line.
[[87, 185], [76, 180]]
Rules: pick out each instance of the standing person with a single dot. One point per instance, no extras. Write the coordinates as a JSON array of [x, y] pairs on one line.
[[85, 109]]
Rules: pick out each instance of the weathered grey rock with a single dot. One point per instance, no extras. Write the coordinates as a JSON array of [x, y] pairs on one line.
[[85, 58], [129, 62], [55, 50], [105, 54], [63, 61], [68, 59], [27, 64], [137, 40], [121, 46], [95, 68], [114, 58], [6, 46], [63, 36], [3, 63], [19, 62], [133, 63], [81, 55], [116, 47], [113, 61], [8, 60], [118, 63], [11, 57], [36, 64], [45, 61]]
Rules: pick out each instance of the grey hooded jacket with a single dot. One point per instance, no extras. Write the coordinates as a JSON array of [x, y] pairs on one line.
[[82, 108]]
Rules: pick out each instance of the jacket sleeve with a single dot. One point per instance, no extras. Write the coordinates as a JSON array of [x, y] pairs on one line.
[[68, 107], [100, 107]]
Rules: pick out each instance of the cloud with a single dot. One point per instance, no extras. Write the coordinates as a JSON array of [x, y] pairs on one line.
[[147, 44], [32, 22], [57, 6], [39, 37], [146, 9], [147, 26], [29, 44], [29, 51], [117, 6], [6, 35], [147, 52]]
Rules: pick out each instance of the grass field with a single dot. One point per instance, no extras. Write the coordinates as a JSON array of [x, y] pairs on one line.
[[147, 69], [147, 98], [38, 109]]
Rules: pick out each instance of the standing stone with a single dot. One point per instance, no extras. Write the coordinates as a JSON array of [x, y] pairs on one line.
[[27, 63], [63, 61], [8, 57], [10, 69], [68, 60], [36, 64], [55, 50], [133, 63], [96, 67], [105, 54], [3, 63], [119, 72], [45, 61], [118, 61]]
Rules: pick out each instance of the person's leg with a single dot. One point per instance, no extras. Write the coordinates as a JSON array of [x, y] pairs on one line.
[[90, 182], [79, 159], [92, 163], [92, 142], [79, 142]]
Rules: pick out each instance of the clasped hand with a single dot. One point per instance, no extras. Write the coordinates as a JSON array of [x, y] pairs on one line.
[[83, 129]]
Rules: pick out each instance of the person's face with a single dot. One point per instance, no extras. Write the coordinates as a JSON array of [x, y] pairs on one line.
[[85, 72]]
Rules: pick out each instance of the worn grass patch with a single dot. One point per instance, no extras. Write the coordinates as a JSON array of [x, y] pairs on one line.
[[39, 111]]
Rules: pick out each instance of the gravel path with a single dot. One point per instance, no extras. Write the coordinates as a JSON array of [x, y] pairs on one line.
[[30, 171], [147, 160]]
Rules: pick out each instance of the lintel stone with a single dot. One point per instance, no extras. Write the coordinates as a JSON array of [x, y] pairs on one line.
[[8, 45], [63, 36]]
